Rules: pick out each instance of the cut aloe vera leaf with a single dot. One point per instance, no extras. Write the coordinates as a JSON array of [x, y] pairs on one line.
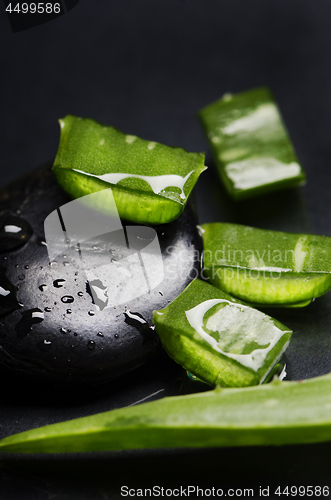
[[220, 339], [150, 182], [266, 267], [251, 147], [278, 413]]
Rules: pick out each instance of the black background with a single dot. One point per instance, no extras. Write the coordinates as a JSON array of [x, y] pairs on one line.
[[147, 66]]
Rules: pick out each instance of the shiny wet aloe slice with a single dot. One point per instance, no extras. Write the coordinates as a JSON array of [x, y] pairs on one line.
[[266, 267], [273, 414], [250, 145], [150, 182], [218, 338]]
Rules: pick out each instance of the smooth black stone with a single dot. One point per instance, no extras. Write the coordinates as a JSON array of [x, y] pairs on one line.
[[55, 331]]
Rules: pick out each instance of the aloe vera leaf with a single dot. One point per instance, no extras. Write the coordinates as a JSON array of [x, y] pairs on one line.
[[273, 414], [220, 339], [250, 145], [150, 182], [266, 267]]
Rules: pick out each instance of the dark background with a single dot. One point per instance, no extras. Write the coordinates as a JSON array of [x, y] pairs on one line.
[[147, 67]]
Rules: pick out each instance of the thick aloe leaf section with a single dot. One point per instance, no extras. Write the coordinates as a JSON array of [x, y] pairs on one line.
[[273, 414], [266, 267], [251, 147], [220, 339], [151, 182]]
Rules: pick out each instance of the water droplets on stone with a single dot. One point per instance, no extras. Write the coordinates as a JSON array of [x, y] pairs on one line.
[[67, 299], [69, 311], [100, 334], [138, 321], [42, 287], [91, 313], [66, 263], [14, 233], [91, 345], [48, 309], [80, 294], [59, 283], [45, 345], [29, 318], [8, 299]]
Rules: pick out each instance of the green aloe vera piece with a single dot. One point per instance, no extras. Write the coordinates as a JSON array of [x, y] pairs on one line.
[[220, 339], [150, 182], [273, 414], [251, 147], [266, 267]]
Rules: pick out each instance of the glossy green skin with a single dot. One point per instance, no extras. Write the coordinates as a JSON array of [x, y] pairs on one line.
[[96, 150], [186, 346], [274, 414], [266, 267], [250, 145]]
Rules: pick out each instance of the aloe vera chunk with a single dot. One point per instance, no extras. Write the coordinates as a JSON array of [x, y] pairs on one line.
[[273, 414], [218, 338], [266, 267], [150, 182], [250, 145]]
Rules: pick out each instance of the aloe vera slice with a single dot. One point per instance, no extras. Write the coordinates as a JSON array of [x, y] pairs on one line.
[[266, 267], [150, 182], [273, 414], [251, 147], [218, 338]]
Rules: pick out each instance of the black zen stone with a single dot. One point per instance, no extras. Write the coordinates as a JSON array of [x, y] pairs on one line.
[[55, 322]]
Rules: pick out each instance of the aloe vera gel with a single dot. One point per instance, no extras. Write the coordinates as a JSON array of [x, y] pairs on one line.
[[220, 339], [251, 147], [150, 182], [266, 267]]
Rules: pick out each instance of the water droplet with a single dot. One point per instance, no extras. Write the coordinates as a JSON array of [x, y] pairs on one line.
[[69, 311], [14, 233], [41, 242], [26, 267], [94, 247], [64, 256], [21, 276], [48, 309], [161, 294], [58, 283], [17, 265], [116, 336], [80, 294], [67, 299], [53, 263], [8, 299], [45, 345], [63, 330], [91, 344], [138, 321], [28, 319], [100, 334], [91, 313], [66, 263], [76, 273], [42, 287], [75, 334]]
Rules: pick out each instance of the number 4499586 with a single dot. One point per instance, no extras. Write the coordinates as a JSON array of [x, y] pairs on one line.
[[301, 491], [34, 8]]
